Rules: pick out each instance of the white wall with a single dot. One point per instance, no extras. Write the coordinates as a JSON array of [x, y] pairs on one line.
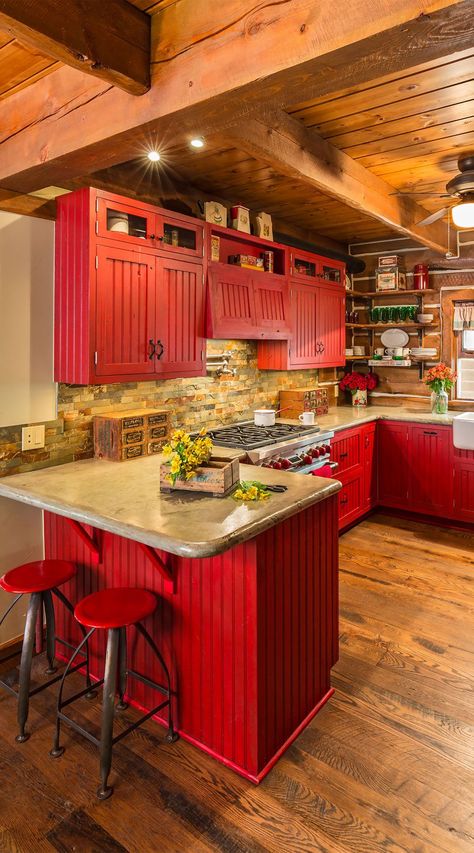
[[27, 391]]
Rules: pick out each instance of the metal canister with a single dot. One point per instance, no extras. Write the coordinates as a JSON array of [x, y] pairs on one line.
[[175, 237], [421, 277], [268, 261]]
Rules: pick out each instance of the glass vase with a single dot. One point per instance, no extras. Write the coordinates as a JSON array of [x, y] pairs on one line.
[[439, 402]]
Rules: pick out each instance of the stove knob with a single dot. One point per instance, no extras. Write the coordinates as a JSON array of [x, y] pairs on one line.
[[277, 465], [315, 452], [307, 459], [327, 448], [285, 464]]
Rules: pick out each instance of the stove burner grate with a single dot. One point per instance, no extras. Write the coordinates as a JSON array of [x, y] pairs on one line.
[[248, 436]]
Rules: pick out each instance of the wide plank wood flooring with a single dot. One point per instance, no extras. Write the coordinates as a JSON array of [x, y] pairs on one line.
[[387, 765]]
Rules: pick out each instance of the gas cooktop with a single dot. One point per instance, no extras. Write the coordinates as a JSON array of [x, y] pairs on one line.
[[247, 436]]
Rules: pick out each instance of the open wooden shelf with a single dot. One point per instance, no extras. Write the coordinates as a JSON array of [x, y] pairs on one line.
[[357, 357], [363, 294], [383, 326]]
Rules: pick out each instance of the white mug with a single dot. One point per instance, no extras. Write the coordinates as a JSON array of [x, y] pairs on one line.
[[380, 351], [359, 350], [306, 418]]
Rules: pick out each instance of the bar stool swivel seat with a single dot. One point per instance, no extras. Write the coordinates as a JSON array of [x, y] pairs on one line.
[[40, 580], [114, 610]]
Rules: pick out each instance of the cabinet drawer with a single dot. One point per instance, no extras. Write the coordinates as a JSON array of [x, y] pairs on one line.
[[350, 499], [346, 449]]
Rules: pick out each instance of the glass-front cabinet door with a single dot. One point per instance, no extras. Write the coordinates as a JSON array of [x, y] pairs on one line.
[[124, 222], [304, 265], [180, 237], [332, 271]]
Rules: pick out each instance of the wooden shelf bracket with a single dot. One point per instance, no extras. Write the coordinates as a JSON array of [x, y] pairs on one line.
[[162, 568], [94, 543]]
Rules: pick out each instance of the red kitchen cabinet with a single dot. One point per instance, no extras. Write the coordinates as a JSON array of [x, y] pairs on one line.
[[125, 307], [369, 462], [393, 463], [431, 469], [242, 304], [463, 502], [350, 498], [318, 327], [125, 312], [346, 449]]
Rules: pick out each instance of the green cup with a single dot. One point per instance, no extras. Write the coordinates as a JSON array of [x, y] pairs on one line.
[[404, 312], [384, 314], [375, 314]]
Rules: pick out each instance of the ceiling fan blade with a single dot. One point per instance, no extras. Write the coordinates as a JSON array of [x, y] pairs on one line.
[[422, 192], [433, 216]]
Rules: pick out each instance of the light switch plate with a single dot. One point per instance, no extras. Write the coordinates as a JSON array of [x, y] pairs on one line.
[[32, 437]]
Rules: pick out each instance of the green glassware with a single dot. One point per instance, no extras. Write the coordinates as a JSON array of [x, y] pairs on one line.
[[375, 314], [384, 314], [412, 312], [404, 312]]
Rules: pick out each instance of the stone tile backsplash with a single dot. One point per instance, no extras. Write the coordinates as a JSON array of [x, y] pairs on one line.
[[206, 400]]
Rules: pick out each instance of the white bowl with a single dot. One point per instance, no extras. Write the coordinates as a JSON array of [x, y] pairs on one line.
[[425, 318]]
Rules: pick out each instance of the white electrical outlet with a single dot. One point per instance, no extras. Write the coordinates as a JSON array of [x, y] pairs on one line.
[[32, 437]]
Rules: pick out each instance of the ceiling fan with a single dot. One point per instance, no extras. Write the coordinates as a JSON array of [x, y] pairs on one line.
[[461, 187]]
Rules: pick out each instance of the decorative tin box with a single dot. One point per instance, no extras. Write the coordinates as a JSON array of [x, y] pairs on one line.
[[298, 400]]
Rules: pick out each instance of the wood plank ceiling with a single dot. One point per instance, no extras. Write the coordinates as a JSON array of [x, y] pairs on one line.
[[408, 128]]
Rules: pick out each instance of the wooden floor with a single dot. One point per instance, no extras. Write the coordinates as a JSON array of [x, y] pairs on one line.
[[386, 766]]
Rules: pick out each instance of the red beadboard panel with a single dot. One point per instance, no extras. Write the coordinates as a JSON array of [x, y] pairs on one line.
[[346, 449], [431, 469], [249, 637], [180, 316], [72, 297]]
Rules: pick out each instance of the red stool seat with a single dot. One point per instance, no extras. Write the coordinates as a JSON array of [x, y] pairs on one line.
[[115, 608], [38, 576]]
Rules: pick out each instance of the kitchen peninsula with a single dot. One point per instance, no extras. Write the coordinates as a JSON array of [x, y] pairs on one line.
[[248, 593]]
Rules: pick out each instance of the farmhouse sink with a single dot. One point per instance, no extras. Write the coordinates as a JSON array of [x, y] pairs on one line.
[[463, 431]]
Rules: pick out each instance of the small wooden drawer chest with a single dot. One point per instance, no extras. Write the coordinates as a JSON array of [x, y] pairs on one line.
[[130, 434]]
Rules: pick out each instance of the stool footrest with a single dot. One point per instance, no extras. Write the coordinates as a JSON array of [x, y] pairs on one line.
[[80, 693], [142, 719]]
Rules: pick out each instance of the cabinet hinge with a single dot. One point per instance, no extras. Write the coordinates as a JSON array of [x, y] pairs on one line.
[[97, 205], [203, 278], [96, 357], [97, 226], [97, 262]]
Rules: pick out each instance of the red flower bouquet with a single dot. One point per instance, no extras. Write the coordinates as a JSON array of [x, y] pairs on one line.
[[358, 384], [440, 379]]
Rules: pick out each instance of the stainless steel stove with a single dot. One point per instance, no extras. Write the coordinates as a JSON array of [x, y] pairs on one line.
[[289, 447]]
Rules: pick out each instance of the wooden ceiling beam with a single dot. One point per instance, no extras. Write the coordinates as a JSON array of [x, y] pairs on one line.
[[300, 153], [109, 40], [212, 66], [27, 205]]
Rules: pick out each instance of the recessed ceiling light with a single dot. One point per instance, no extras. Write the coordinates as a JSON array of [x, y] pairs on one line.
[[198, 142], [154, 156]]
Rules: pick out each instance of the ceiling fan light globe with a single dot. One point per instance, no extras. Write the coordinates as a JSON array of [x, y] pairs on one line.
[[463, 214]]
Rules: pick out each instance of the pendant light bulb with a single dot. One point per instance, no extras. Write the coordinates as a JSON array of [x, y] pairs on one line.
[[154, 156]]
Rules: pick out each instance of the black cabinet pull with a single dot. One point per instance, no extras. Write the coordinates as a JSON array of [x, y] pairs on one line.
[[430, 432], [322, 347], [162, 349], [151, 237], [343, 455], [344, 500], [153, 349]]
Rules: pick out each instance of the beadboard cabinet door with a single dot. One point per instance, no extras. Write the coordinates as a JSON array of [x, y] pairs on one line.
[[179, 326], [231, 307], [393, 464], [304, 311], [431, 469], [330, 327], [125, 312]]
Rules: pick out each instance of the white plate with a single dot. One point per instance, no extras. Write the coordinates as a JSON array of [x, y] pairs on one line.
[[394, 338]]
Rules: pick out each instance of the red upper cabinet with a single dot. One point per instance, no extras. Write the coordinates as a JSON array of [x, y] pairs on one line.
[[318, 327], [431, 469], [126, 307], [272, 305], [125, 318], [231, 307]]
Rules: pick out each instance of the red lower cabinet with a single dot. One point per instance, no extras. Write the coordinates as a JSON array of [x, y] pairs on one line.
[[350, 499], [431, 469], [369, 462], [464, 485], [393, 464]]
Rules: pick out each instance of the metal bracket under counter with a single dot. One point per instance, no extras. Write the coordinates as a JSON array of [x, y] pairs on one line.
[[162, 568]]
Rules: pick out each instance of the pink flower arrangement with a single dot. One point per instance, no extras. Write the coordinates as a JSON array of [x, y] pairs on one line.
[[440, 378], [358, 382]]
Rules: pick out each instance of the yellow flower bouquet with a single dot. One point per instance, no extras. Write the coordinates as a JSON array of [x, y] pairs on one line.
[[186, 454]]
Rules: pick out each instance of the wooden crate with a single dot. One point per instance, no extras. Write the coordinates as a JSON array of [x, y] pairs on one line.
[[297, 400], [130, 434], [217, 477]]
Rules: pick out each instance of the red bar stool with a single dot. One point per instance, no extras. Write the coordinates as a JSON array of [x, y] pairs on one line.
[[114, 610], [40, 580]]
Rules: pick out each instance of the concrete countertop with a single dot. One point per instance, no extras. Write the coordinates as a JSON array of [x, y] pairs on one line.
[[343, 417], [124, 498]]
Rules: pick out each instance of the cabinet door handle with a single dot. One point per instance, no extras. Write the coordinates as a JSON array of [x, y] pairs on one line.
[[344, 500], [429, 432], [152, 237], [343, 455], [322, 347], [153, 349], [162, 349]]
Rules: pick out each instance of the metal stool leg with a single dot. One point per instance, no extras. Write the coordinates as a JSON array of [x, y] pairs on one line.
[[108, 707], [57, 749], [50, 632], [171, 735], [92, 693], [25, 665], [121, 704]]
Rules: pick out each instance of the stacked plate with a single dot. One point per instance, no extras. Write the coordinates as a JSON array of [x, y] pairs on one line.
[[424, 353]]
